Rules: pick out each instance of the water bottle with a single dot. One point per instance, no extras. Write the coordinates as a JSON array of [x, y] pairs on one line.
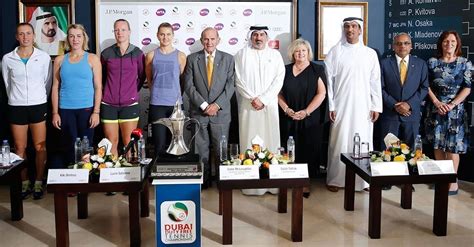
[[223, 148], [418, 145], [141, 149], [356, 149], [5, 153], [85, 145], [290, 146], [77, 150]]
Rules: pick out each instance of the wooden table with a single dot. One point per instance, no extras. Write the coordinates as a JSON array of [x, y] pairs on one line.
[[225, 202], [361, 167], [138, 193], [12, 176]]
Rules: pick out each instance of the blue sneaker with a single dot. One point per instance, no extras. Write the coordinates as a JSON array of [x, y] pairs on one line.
[[38, 191]]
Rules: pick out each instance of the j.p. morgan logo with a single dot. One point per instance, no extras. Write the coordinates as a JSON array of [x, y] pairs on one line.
[[118, 12]]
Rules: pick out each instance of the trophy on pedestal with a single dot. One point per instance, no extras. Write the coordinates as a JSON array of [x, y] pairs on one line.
[[179, 164]]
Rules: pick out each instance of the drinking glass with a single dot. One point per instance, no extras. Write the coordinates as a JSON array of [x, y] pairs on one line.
[[364, 149], [234, 151]]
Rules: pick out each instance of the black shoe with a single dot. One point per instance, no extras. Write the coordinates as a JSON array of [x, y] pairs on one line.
[[386, 187], [110, 193], [38, 192], [306, 194]]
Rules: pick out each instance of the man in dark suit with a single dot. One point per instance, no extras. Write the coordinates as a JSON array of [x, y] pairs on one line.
[[404, 86], [209, 84]]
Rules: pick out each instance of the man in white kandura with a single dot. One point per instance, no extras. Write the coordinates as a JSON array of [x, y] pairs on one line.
[[259, 74], [355, 98]]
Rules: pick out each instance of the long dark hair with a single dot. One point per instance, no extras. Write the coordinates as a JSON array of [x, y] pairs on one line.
[[442, 37]]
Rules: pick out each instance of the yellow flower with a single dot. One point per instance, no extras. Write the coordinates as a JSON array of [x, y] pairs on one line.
[[403, 146], [400, 157], [87, 166], [248, 162]]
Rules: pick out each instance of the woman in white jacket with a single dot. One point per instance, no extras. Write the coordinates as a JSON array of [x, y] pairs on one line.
[[27, 75]]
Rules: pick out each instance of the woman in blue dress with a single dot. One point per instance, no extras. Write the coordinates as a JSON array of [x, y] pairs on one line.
[[446, 125]]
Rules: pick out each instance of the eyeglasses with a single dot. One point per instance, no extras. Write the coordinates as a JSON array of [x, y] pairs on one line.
[[402, 43]]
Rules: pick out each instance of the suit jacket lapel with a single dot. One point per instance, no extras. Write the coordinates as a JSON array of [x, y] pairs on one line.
[[396, 71]]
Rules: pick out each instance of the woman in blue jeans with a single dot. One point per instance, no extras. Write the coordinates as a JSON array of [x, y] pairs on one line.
[[77, 90]]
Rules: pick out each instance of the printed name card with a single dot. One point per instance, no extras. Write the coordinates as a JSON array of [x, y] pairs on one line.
[[289, 171], [431, 167], [389, 169], [238, 172], [114, 175], [68, 176]]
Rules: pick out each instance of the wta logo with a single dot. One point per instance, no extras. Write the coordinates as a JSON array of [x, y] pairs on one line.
[[233, 41], [178, 212], [146, 41], [204, 12], [219, 26], [247, 12], [190, 41], [176, 26], [160, 12]]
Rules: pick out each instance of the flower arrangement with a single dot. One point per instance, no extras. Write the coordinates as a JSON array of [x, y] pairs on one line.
[[399, 152], [103, 159]]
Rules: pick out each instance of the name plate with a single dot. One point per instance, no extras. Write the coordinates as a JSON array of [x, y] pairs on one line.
[[289, 171], [238, 172], [431, 167], [114, 175], [389, 169], [68, 176]]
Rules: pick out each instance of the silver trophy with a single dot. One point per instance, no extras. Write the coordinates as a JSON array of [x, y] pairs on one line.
[[175, 124]]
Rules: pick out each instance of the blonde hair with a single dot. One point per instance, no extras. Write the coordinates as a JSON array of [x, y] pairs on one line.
[[85, 45], [295, 44]]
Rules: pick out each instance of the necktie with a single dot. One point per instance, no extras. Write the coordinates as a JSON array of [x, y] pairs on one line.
[[403, 71], [210, 68]]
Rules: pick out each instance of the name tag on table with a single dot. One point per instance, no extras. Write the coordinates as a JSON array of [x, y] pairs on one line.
[[389, 169], [239, 172], [68, 176], [289, 171], [431, 167], [114, 175]]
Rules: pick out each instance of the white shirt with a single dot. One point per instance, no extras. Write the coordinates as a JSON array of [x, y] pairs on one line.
[[407, 59], [30, 83]]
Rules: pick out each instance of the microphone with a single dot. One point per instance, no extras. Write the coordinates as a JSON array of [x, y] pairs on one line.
[[134, 137]]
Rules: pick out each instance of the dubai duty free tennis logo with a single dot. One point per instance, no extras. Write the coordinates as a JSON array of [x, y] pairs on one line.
[[178, 212], [178, 222]]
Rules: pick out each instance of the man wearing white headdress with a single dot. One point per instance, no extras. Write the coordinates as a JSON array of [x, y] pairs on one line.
[[259, 73], [354, 96], [49, 37]]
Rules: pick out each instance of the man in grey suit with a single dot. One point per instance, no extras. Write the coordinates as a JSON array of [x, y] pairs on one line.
[[209, 84], [404, 86]]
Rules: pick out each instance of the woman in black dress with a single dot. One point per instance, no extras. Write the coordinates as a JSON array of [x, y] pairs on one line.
[[301, 101]]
